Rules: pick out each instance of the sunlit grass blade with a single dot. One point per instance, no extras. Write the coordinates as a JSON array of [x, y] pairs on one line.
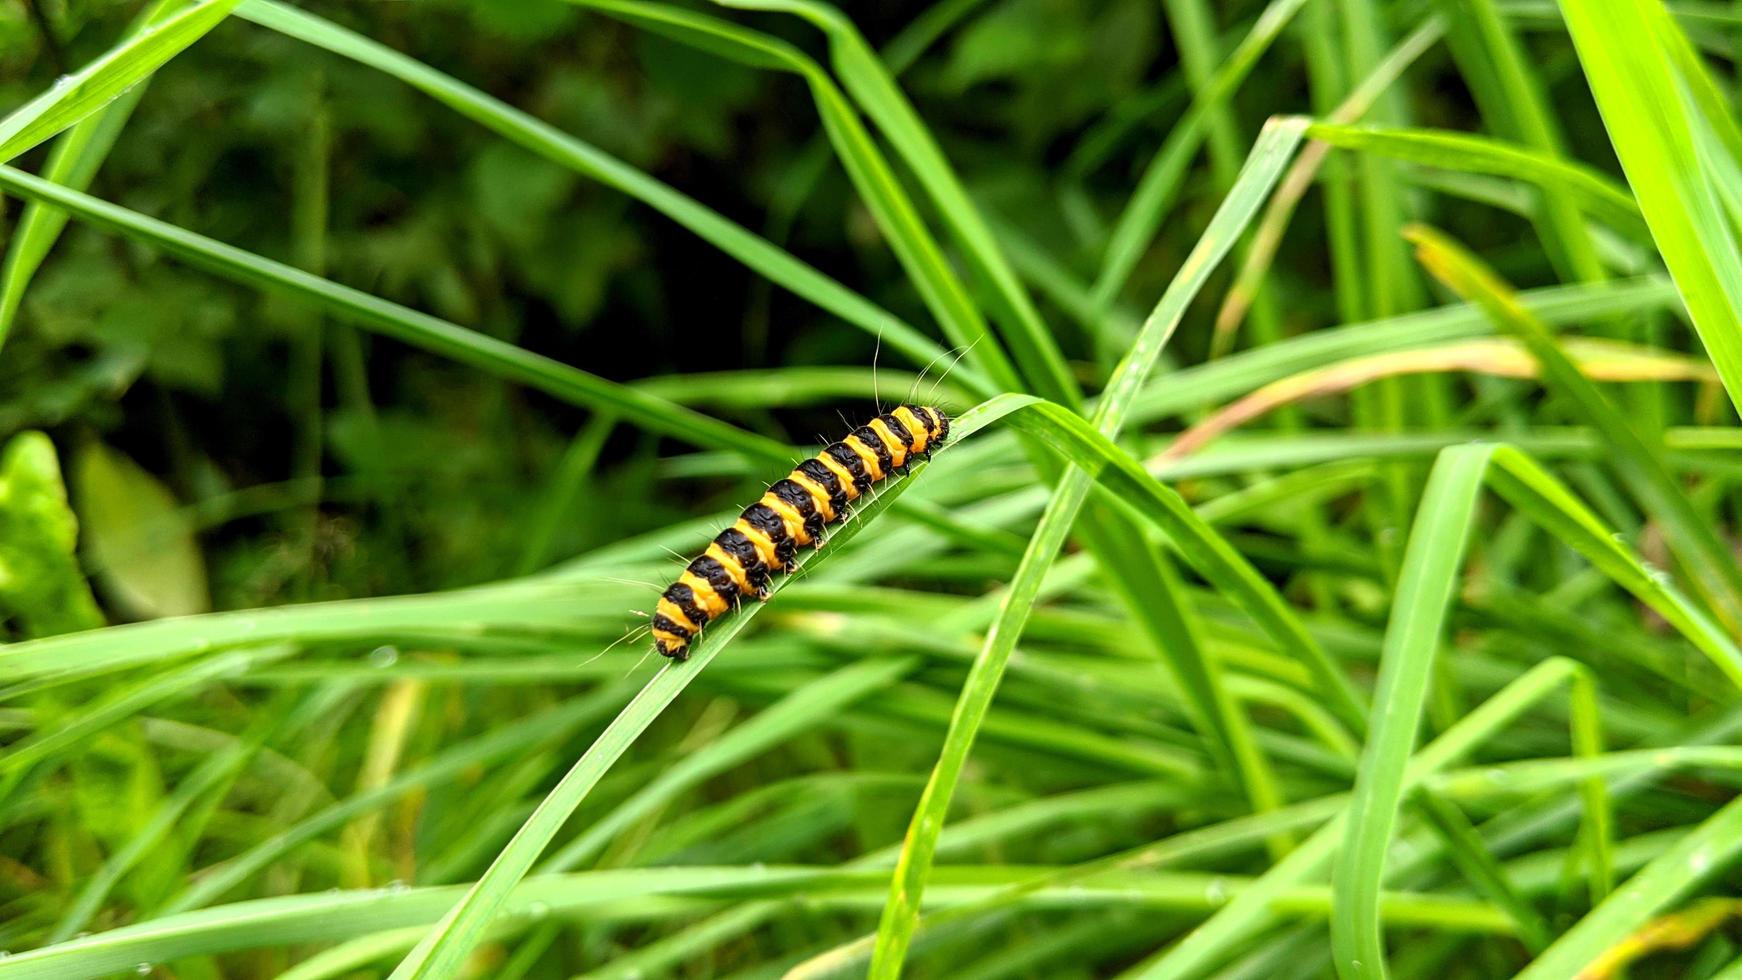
[[1432, 565], [88, 90], [1653, 129]]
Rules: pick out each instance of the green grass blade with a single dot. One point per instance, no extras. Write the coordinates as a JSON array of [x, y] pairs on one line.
[[1163, 179], [402, 323], [74, 163], [1538, 494], [805, 707], [1713, 568], [1597, 194], [451, 763], [92, 87], [1710, 849], [1214, 939], [1432, 564], [1652, 127], [895, 931], [443, 951]]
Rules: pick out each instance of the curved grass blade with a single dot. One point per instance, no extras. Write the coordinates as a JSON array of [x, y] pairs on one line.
[[74, 163], [804, 708], [1599, 196], [1693, 858], [1433, 561], [1710, 562], [1164, 177]]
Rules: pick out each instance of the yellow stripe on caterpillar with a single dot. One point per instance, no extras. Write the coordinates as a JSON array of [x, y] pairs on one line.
[[734, 570], [841, 474], [793, 520], [764, 547], [819, 496], [897, 448], [709, 600], [866, 455]]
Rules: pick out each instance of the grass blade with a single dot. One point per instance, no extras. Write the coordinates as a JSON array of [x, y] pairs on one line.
[[1652, 127], [92, 87], [1432, 564], [419, 329], [444, 949]]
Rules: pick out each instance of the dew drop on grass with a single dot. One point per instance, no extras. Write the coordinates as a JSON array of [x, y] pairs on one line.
[[62, 82], [142, 969], [384, 656], [395, 886], [1216, 892], [537, 910]]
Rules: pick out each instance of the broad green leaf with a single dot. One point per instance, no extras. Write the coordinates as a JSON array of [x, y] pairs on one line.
[[138, 538]]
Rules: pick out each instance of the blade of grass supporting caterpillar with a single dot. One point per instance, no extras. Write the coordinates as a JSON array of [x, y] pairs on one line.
[[444, 949]]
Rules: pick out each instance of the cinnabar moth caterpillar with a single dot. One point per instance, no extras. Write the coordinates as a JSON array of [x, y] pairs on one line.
[[793, 512]]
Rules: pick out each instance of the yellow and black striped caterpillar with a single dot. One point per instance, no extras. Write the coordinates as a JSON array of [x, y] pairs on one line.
[[793, 512]]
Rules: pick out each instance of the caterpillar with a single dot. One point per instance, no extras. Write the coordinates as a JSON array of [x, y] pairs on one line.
[[791, 513]]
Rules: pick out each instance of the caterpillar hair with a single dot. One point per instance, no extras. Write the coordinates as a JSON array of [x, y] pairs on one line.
[[794, 511]]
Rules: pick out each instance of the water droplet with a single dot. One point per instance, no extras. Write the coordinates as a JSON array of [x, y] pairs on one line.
[[1216, 892], [385, 656], [63, 81], [1699, 862], [395, 886], [1355, 965], [538, 910], [142, 969]]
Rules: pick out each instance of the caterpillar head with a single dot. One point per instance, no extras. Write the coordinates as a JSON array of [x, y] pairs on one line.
[[671, 644], [936, 422]]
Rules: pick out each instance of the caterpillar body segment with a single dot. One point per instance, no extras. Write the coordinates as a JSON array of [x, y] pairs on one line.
[[793, 513]]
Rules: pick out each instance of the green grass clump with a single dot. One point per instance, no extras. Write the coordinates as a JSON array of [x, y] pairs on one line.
[[1333, 570]]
